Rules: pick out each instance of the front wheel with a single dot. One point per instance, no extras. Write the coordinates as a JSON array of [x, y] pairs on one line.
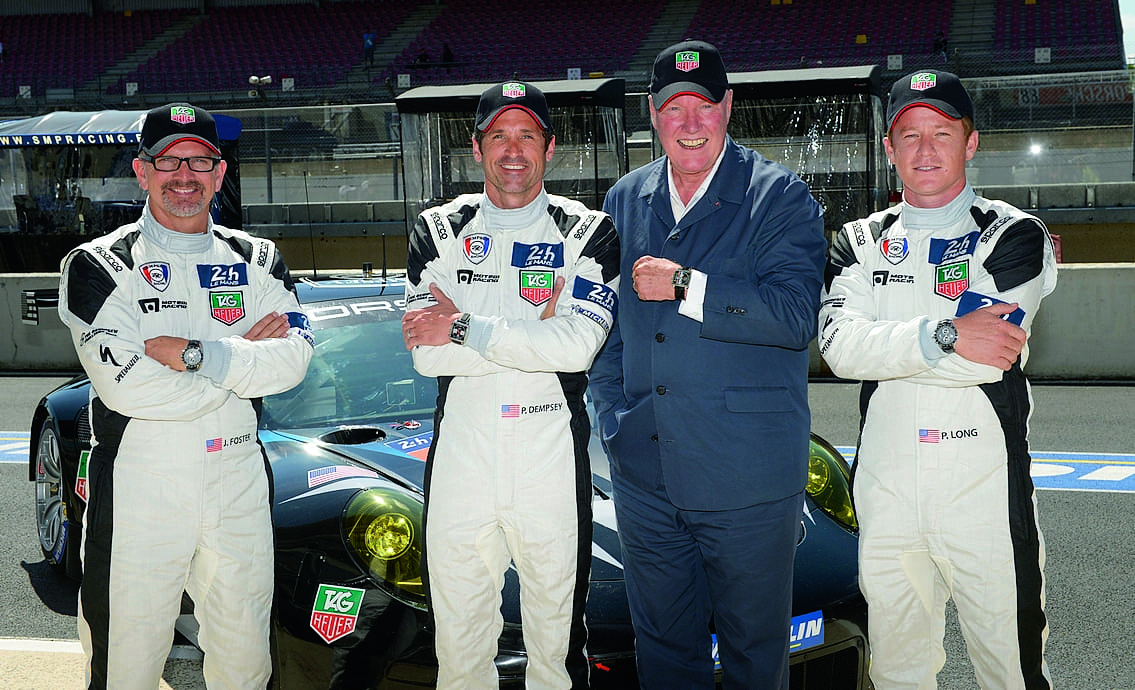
[[50, 501]]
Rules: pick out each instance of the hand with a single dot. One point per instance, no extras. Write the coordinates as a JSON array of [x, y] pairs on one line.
[[430, 326], [984, 337], [167, 350], [550, 307], [653, 278], [274, 325]]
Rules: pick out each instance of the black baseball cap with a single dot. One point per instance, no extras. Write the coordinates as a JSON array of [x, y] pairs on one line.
[[940, 91], [689, 67], [512, 94], [168, 124]]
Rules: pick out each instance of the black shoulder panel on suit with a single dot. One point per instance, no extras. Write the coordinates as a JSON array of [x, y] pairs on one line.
[[124, 247], [88, 287], [1018, 256], [461, 217], [603, 246], [564, 221], [420, 250], [840, 256]]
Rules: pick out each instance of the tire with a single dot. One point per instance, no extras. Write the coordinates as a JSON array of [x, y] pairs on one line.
[[51, 499]]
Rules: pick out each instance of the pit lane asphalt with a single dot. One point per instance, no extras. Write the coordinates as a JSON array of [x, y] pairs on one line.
[[1090, 598]]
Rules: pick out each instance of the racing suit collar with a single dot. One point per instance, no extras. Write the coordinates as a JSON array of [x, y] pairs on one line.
[[171, 240], [514, 218], [915, 218]]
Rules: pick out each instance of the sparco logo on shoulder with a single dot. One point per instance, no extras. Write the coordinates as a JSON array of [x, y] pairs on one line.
[[109, 258]]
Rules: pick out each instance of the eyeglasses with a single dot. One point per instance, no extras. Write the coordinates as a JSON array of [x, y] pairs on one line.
[[201, 164]]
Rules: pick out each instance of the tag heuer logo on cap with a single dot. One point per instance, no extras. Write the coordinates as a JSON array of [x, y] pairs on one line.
[[686, 60], [182, 115], [923, 81], [513, 90]]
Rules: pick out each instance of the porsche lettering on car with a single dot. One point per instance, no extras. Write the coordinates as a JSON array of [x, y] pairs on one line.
[[347, 449]]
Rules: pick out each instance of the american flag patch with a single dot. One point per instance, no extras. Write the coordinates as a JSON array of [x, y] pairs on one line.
[[929, 436], [213, 445], [510, 411], [327, 474]]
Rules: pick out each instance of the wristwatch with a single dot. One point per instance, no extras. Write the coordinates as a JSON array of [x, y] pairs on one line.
[[681, 281], [193, 355], [945, 334], [459, 331]]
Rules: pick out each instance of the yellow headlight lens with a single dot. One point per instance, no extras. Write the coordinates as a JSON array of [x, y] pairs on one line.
[[383, 530], [829, 483]]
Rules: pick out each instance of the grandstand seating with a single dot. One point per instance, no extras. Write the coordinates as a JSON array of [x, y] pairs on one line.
[[315, 45], [64, 50], [493, 39], [320, 44], [763, 35]]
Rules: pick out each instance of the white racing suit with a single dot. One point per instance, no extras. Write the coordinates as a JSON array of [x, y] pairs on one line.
[[179, 485], [941, 478], [508, 473]]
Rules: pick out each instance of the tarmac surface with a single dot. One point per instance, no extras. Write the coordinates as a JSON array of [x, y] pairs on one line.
[[1088, 533]]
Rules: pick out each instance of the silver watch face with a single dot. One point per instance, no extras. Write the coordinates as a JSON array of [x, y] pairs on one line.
[[192, 356], [946, 335]]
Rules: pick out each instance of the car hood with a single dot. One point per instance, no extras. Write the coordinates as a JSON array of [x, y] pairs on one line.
[[320, 459]]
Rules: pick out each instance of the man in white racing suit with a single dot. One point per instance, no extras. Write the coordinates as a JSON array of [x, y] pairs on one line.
[[508, 474], [181, 325], [930, 303]]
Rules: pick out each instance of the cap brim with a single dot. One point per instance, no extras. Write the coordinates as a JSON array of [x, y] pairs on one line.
[[499, 111], [941, 107], [685, 88], [166, 143]]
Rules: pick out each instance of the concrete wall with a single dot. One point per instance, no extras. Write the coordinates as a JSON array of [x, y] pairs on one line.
[[1083, 330]]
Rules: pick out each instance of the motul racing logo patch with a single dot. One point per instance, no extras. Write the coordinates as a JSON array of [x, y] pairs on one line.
[[228, 307], [687, 60], [182, 115], [336, 611]]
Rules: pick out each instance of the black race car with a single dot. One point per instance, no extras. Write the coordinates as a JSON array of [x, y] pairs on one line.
[[348, 447]]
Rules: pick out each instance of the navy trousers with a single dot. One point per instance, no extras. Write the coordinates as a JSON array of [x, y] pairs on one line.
[[683, 567]]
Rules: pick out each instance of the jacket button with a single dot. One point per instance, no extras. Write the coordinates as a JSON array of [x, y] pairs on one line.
[[654, 437], [661, 390], [659, 337], [728, 310]]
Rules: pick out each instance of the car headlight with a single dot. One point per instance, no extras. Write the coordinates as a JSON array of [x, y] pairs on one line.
[[829, 483], [383, 530]]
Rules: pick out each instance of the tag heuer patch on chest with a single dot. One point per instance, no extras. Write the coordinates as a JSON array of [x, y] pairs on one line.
[[228, 307], [951, 280], [536, 286], [335, 612]]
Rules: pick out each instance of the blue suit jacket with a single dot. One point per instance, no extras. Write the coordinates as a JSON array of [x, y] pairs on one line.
[[716, 412]]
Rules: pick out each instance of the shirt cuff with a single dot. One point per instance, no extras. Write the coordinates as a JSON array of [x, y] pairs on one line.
[[931, 352], [480, 330], [216, 356], [694, 305]]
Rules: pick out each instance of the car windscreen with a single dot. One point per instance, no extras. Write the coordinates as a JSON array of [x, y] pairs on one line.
[[360, 373]]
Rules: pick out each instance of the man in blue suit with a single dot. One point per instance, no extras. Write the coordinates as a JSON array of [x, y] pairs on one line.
[[701, 389]]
